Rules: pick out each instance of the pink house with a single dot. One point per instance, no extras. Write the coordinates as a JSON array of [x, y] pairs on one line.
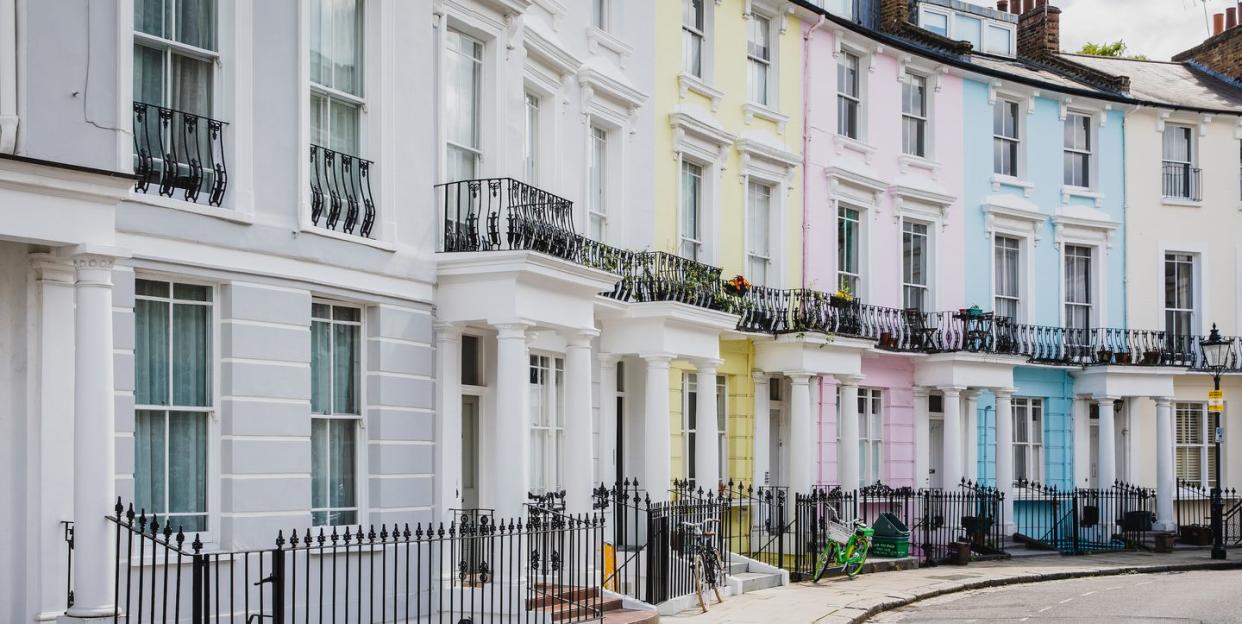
[[882, 215]]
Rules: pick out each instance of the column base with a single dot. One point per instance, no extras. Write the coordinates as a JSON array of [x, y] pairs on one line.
[[1164, 527], [95, 614]]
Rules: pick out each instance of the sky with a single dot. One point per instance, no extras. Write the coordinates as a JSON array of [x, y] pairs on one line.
[[1155, 28]]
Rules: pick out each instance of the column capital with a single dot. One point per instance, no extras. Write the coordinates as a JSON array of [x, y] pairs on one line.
[[706, 364], [657, 359], [50, 268], [447, 332], [799, 378], [1163, 401], [849, 380], [952, 391], [761, 377], [578, 338], [971, 394], [512, 329], [921, 392], [1107, 399], [1003, 393], [608, 360]]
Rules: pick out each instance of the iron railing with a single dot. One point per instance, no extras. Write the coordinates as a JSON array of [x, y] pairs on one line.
[[1192, 506], [1181, 181], [1083, 520], [175, 150], [471, 569], [341, 198]]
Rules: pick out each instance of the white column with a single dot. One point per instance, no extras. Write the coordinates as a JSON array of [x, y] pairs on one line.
[[608, 418], [657, 425], [1107, 443], [707, 429], [1165, 482], [1004, 452], [448, 415], [847, 447], [579, 477], [763, 431], [94, 442], [1082, 442], [922, 438], [801, 433], [971, 440], [510, 466], [952, 436], [50, 437]]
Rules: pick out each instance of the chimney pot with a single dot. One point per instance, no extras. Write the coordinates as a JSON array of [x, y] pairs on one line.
[[1002, 6], [1218, 24], [1231, 17], [1015, 7]]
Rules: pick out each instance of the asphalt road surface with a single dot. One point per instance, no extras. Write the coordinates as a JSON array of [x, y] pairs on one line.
[[1173, 598]]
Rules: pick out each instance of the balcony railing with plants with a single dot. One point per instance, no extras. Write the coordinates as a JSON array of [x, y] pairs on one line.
[[341, 198], [1181, 181], [176, 151], [500, 214]]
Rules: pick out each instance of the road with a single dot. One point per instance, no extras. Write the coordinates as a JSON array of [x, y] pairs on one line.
[[1206, 596]]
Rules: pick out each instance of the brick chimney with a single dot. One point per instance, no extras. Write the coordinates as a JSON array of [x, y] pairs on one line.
[[1039, 30], [893, 14], [1222, 52]]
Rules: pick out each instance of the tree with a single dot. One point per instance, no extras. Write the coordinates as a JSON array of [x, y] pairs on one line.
[[1116, 49]]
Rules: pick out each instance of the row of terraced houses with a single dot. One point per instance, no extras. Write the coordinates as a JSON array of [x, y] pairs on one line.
[[288, 267]]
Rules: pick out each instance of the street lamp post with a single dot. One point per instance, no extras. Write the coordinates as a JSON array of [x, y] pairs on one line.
[[1216, 352]]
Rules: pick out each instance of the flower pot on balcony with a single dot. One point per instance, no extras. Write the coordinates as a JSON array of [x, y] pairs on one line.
[[887, 340], [838, 301], [1123, 357], [1104, 356], [1151, 358]]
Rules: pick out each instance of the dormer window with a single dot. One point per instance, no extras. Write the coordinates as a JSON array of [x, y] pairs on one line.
[[984, 34]]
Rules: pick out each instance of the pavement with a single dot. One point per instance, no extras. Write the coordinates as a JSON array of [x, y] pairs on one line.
[[1209, 596], [844, 601]]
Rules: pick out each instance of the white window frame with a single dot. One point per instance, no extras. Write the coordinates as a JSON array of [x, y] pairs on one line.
[[871, 423], [1181, 258], [858, 99], [689, 401], [168, 47], [986, 35], [840, 8], [601, 15], [214, 433], [772, 278], [1025, 225], [1191, 164], [1205, 445], [704, 36], [1093, 288], [598, 198], [1088, 151], [1018, 299], [722, 427], [447, 144], [859, 275], [908, 80], [553, 430], [1032, 449], [532, 136], [360, 442], [684, 239], [771, 95], [929, 262], [1019, 165]]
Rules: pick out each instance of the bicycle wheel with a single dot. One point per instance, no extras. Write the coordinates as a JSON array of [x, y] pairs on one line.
[[700, 583], [855, 557], [824, 561]]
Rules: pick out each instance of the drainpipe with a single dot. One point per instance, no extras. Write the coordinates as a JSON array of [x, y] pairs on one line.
[[806, 140], [8, 76]]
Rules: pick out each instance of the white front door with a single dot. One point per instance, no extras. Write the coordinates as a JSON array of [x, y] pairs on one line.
[[935, 452], [1094, 480], [776, 446], [470, 451]]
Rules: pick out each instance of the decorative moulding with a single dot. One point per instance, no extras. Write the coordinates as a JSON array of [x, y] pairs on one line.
[[687, 84], [751, 110]]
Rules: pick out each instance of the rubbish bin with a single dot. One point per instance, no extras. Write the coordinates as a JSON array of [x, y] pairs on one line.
[[891, 538]]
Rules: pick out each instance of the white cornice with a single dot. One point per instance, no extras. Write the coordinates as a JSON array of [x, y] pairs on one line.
[[596, 82], [687, 84], [547, 49]]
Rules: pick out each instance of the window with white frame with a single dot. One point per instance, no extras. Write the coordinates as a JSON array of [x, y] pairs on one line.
[[968, 28], [870, 435], [849, 240], [336, 379], [759, 247], [1005, 139], [172, 400], [849, 98], [840, 8], [1077, 150], [999, 40], [1078, 296], [987, 36], [462, 106], [530, 146], [759, 58], [1179, 292], [691, 210], [936, 22], [1028, 439], [1195, 447], [914, 115], [597, 196], [689, 426], [693, 33], [915, 250], [175, 54], [336, 95], [599, 14], [1178, 179], [722, 427], [1007, 252], [547, 423]]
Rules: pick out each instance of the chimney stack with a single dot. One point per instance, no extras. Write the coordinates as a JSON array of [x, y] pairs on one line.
[[1222, 52], [1039, 31], [1231, 17], [894, 13], [1218, 24], [1003, 5]]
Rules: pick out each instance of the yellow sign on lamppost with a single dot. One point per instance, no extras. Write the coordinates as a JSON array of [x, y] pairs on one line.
[[1216, 401]]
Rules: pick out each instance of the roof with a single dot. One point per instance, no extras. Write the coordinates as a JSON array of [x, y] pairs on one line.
[[1165, 82], [1023, 68]]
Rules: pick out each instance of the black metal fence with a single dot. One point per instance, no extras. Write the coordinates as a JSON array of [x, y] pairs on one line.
[[341, 198], [1192, 505], [176, 150], [472, 569], [1083, 520], [972, 514], [1180, 181]]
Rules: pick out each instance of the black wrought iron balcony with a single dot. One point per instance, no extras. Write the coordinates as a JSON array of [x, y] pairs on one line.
[[1181, 181], [179, 151], [341, 198]]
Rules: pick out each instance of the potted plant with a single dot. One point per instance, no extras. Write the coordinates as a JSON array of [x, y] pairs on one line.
[[1104, 356], [1151, 358], [1124, 357], [887, 340], [737, 286], [974, 311], [841, 298]]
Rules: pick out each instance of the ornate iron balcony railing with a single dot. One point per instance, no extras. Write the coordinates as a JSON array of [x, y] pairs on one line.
[[175, 150], [1181, 181], [341, 198]]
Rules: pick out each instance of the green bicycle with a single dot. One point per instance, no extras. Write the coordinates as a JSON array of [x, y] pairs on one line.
[[846, 547]]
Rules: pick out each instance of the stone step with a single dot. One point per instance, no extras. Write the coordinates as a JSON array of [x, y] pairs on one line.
[[630, 616], [754, 581]]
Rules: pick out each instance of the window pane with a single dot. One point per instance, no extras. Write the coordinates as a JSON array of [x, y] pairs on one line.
[[187, 462], [344, 127], [760, 219], [530, 148], [341, 450], [191, 338], [969, 29], [599, 14], [150, 352], [195, 22], [1000, 41], [936, 22], [149, 465], [151, 17], [148, 76], [345, 355], [464, 79], [321, 371], [191, 85]]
